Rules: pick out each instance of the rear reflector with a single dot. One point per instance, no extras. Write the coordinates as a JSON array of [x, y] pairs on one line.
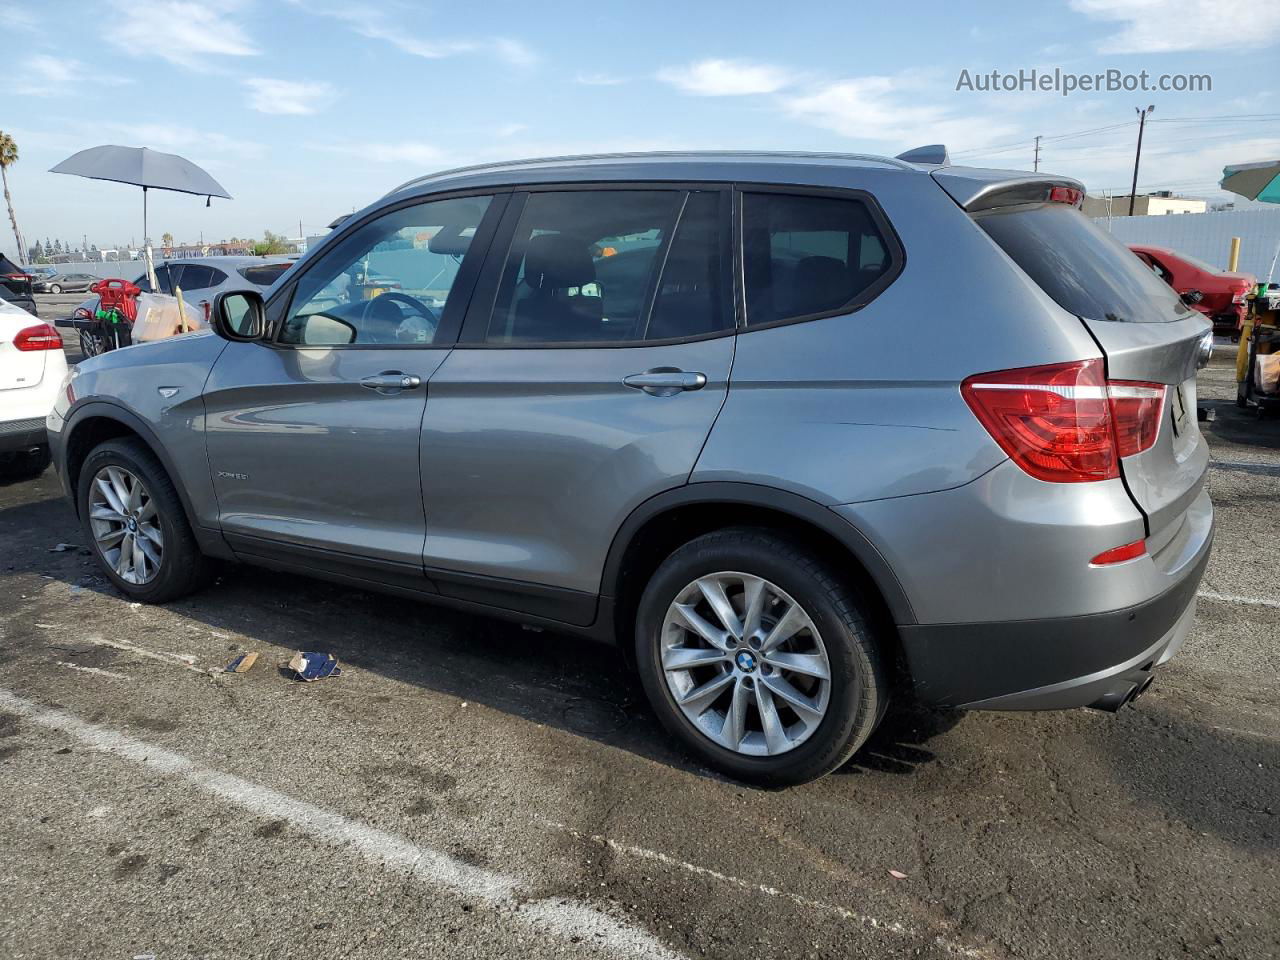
[[1120, 554], [1064, 422], [40, 337]]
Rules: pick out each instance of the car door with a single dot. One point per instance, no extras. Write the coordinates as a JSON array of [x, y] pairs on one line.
[[313, 438], [594, 360]]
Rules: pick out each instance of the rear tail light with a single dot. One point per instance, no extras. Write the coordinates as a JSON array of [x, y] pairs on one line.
[[1065, 422], [40, 337]]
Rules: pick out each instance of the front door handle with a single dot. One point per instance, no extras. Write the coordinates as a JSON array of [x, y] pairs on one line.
[[391, 381], [666, 381]]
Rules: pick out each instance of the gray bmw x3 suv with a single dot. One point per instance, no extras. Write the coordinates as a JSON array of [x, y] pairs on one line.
[[792, 430]]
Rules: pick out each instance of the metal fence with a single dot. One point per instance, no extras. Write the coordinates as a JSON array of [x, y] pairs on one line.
[[1207, 236]]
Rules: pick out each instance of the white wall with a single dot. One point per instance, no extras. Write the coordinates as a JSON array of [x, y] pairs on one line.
[[1207, 236]]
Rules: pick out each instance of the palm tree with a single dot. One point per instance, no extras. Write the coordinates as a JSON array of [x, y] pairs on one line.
[[166, 240], [8, 157]]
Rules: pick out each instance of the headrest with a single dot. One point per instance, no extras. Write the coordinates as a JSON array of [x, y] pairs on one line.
[[824, 273], [555, 261]]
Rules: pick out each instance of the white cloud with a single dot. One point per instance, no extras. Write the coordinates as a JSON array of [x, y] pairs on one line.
[[43, 75], [1167, 26], [371, 23], [511, 129], [287, 96], [513, 52], [888, 109], [17, 18], [180, 31], [722, 78]]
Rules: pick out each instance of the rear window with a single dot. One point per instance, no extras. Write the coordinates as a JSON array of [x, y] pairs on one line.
[[264, 275], [1086, 270]]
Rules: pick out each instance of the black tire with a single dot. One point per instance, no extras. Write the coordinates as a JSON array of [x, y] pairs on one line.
[[859, 687], [183, 568]]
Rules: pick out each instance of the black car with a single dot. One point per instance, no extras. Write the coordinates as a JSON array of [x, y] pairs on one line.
[[15, 285]]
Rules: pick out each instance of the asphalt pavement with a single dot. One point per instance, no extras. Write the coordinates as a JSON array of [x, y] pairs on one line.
[[467, 788]]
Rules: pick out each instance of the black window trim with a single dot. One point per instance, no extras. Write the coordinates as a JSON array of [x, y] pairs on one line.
[[893, 247], [476, 325], [278, 306]]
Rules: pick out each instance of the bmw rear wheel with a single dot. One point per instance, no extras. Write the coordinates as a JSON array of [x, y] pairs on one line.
[[758, 658]]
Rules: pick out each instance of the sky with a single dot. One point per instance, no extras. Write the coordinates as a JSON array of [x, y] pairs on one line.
[[307, 109]]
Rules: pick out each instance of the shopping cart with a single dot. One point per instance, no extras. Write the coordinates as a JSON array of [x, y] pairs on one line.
[[112, 323]]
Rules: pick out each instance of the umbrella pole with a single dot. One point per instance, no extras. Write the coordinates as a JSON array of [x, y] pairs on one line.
[[1272, 272], [146, 243]]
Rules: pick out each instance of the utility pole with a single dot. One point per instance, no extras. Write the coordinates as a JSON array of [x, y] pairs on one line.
[[1142, 122], [1036, 163]]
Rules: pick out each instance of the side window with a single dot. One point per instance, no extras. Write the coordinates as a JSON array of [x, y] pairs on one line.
[[581, 266], [389, 281], [162, 278], [690, 301], [807, 255], [195, 276]]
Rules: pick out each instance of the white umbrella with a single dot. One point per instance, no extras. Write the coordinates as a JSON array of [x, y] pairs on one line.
[[145, 168]]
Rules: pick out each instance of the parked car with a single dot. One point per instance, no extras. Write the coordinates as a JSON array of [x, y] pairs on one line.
[[1218, 294], [675, 406], [15, 285], [65, 283], [42, 271], [32, 367], [199, 280]]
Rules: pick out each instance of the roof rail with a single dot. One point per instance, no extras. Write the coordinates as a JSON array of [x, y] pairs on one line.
[[658, 154], [934, 154]]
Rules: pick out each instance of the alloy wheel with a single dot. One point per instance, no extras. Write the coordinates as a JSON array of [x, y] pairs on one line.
[[745, 664], [126, 525]]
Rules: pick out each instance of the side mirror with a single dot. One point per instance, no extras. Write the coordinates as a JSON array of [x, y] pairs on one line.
[[239, 316]]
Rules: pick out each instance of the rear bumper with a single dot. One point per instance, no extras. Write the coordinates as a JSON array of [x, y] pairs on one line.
[[18, 436], [1098, 659]]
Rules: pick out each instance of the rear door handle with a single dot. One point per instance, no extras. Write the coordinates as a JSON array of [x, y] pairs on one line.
[[666, 381], [391, 381]]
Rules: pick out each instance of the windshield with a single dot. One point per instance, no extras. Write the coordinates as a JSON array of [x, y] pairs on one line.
[[1086, 270]]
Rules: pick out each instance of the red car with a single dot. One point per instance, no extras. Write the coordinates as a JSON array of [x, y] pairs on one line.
[[1221, 294]]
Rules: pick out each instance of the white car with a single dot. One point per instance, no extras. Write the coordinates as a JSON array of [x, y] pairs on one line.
[[32, 368]]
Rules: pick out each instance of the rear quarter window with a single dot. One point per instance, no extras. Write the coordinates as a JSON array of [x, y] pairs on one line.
[[806, 256], [263, 275], [1081, 266]]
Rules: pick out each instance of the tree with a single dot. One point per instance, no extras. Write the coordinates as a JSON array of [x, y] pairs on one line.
[[57, 246], [269, 244], [8, 157], [37, 252]]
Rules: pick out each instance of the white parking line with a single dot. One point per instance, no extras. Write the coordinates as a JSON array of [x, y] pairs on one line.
[[172, 659], [874, 923], [573, 921], [96, 671], [1233, 598]]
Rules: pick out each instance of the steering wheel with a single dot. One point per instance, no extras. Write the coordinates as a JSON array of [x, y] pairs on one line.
[[427, 314]]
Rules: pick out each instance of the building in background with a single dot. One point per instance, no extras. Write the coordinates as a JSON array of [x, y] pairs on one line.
[[1155, 204]]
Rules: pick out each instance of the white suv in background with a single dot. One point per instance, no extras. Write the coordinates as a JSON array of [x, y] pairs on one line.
[[32, 368], [200, 280]]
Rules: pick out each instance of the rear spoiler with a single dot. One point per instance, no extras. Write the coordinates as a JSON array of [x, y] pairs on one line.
[[977, 190]]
